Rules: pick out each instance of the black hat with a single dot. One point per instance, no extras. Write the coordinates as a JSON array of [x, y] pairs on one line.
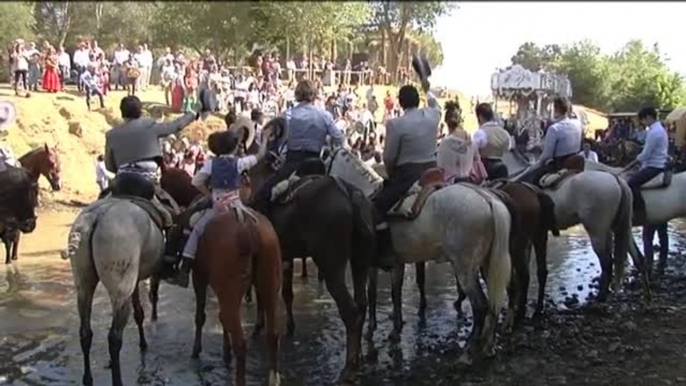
[[421, 66]]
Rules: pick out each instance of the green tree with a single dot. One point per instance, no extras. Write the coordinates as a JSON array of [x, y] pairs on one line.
[[396, 18], [16, 21], [535, 58]]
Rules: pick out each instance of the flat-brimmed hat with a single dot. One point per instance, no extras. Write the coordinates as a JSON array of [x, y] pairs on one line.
[[244, 125], [7, 115]]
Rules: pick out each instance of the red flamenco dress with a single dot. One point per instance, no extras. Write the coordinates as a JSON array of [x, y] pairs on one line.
[[51, 79]]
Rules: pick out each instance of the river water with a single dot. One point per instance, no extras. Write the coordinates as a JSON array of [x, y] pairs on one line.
[[39, 339]]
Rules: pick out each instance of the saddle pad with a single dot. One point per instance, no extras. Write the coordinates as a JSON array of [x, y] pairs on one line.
[[554, 180], [283, 186], [158, 217], [660, 181], [293, 185], [404, 207]]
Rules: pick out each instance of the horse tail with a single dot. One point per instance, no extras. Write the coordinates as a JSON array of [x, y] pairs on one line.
[[83, 229], [499, 262], [622, 229], [547, 213], [363, 223]]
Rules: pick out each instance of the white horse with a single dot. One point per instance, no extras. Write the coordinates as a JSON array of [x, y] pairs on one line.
[[662, 203], [599, 201], [115, 242], [463, 225]]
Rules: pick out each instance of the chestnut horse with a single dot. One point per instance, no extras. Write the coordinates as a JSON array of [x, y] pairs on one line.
[[231, 256], [44, 161]]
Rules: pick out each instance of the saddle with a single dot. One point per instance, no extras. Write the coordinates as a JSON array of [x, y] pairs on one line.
[[284, 192], [138, 190], [410, 206], [661, 181], [571, 166]]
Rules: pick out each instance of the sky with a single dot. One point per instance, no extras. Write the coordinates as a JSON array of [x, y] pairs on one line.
[[479, 37]]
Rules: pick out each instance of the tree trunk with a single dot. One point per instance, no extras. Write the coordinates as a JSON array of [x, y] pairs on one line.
[[288, 47], [383, 49]]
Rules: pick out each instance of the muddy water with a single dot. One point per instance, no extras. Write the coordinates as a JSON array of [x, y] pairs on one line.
[[39, 342]]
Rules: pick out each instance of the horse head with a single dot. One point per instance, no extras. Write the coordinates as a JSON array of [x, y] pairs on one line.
[[44, 160]]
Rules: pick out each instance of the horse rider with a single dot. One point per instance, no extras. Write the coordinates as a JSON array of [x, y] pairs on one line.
[[223, 172], [493, 142], [7, 115], [307, 129], [133, 152], [653, 158], [409, 150], [562, 141]]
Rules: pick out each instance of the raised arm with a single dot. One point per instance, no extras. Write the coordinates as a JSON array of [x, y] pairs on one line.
[[167, 128]]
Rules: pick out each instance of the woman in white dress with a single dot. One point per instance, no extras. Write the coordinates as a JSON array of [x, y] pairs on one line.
[[456, 153]]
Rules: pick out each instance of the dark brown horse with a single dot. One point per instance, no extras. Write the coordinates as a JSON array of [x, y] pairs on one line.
[[44, 161], [304, 227], [178, 184], [18, 201], [231, 256]]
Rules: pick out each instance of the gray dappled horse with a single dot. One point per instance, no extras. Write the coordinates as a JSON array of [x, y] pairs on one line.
[[116, 242]]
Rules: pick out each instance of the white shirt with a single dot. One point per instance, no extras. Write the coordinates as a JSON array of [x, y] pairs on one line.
[[290, 65], [481, 139], [81, 58], [101, 172], [366, 117], [146, 58], [139, 57], [63, 59], [592, 156], [121, 56]]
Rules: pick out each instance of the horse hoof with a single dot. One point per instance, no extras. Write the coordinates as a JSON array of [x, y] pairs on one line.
[[274, 379], [143, 346], [227, 360], [87, 380], [290, 329], [347, 377], [154, 317], [394, 337]]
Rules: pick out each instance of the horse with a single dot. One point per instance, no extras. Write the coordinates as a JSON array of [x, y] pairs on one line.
[[18, 200], [118, 242], [44, 161], [303, 224], [662, 203], [178, 184], [230, 256], [437, 233], [599, 201]]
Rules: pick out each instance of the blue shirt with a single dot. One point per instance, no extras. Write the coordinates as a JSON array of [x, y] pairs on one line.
[[88, 80], [654, 154], [562, 138], [308, 127]]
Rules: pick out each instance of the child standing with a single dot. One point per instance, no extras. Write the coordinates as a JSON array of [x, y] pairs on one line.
[[102, 175], [224, 175], [190, 82]]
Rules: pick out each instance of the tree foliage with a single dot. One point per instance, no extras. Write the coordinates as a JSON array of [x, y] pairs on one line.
[[633, 77]]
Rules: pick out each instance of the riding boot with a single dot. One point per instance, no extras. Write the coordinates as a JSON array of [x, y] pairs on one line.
[[385, 258], [639, 208]]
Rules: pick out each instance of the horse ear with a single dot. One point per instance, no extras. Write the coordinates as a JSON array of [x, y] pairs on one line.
[[47, 148]]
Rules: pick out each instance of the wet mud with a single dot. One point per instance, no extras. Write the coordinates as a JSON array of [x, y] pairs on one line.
[[39, 342]]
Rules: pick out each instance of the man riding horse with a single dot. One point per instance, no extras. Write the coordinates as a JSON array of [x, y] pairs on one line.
[[653, 158], [307, 128], [493, 142], [562, 141], [132, 151], [409, 150]]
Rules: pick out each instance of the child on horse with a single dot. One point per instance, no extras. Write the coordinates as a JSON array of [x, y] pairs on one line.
[[224, 176]]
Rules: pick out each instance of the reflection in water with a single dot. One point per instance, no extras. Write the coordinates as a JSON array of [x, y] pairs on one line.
[[39, 324]]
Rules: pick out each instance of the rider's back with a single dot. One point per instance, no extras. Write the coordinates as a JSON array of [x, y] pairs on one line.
[[416, 132]]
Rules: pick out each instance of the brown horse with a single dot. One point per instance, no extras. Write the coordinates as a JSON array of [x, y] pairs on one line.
[[535, 216], [178, 184], [230, 256], [18, 200], [44, 161]]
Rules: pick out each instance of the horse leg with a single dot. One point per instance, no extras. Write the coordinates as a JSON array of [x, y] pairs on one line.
[[139, 316], [200, 289], [371, 295], [85, 290], [602, 246], [420, 280], [461, 297], [15, 245], [519, 286], [663, 236], [398, 276], [287, 291], [304, 270], [267, 278], [153, 295], [541, 250], [121, 310], [231, 320], [335, 283], [8, 249], [477, 299]]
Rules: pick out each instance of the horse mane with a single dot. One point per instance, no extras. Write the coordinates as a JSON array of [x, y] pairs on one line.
[[31, 153]]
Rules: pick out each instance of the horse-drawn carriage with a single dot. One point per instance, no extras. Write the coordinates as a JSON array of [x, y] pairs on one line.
[[530, 95]]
